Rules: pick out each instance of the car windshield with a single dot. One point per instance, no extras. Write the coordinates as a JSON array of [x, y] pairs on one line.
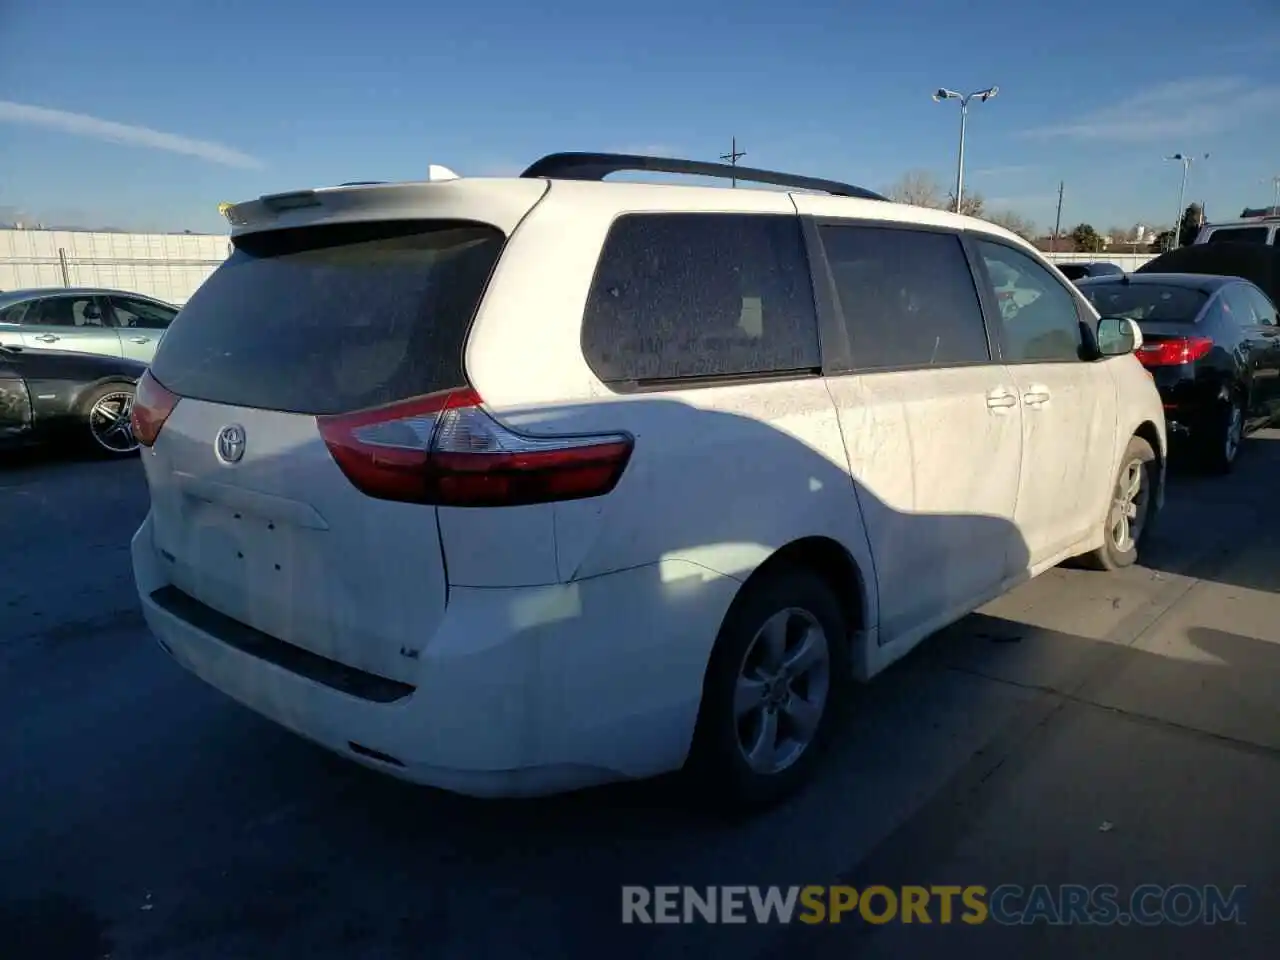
[[1146, 301]]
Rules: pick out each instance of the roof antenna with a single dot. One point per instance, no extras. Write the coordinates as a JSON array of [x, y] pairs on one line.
[[437, 172]]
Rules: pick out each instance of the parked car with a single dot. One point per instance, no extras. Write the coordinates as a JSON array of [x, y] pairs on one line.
[[56, 396], [85, 320], [1258, 264], [1255, 230], [1212, 345], [1092, 268], [516, 485]]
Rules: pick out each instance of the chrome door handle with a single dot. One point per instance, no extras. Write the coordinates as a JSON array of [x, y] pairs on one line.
[[1036, 397], [139, 339], [47, 338], [1001, 399]]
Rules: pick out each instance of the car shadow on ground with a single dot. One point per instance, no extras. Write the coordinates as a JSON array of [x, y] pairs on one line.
[[359, 864]]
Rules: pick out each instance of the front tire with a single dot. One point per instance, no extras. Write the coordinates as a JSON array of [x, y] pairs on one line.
[[778, 673], [1130, 507], [106, 430]]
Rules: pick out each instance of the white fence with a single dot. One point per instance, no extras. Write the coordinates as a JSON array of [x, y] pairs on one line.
[[168, 266], [1128, 262]]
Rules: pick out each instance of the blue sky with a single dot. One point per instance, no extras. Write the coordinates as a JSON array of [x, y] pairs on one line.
[[146, 114]]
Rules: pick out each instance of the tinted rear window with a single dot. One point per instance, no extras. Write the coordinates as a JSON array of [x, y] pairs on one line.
[[1073, 271], [332, 319], [1239, 235], [907, 297], [691, 295], [1146, 301]]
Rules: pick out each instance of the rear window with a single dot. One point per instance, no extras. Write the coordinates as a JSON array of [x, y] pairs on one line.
[[332, 319], [692, 295], [1239, 235], [1073, 271], [1146, 301]]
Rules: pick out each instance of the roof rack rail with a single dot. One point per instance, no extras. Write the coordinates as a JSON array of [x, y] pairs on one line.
[[597, 166]]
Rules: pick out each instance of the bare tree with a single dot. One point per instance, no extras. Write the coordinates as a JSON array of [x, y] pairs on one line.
[[1013, 223], [918, 187], [971, 204]]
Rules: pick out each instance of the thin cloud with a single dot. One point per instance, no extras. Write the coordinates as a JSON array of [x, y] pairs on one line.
[[651, 150], [1027, 200], [1171, 111], [82, 125], [1010, 170]]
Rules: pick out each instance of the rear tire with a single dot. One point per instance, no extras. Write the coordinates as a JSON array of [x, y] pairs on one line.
[[773, 691], [1128, 510], [1223, 436]]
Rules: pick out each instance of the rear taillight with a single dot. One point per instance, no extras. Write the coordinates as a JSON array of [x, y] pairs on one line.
[[152, 404], [443, 449], [1170, 353]]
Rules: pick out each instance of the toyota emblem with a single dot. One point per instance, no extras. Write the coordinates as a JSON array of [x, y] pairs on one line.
[[230, 443]]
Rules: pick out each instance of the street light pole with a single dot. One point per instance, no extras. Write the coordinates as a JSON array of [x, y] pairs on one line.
[[983, 96], [1186, 161]]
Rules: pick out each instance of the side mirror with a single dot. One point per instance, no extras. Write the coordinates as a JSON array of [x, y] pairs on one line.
[[1118, 336]]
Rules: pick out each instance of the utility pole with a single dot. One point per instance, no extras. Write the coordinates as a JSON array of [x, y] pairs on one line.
[[733, 156], [1057, 223]]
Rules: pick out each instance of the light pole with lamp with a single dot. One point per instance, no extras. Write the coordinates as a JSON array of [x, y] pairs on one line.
[[982, 95], [1175, 240]]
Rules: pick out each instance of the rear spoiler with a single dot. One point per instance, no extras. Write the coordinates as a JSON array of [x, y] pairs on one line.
[[242, 214]]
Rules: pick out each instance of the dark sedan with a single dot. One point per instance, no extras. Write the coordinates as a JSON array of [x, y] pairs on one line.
[[51, 395], [1212, 345]]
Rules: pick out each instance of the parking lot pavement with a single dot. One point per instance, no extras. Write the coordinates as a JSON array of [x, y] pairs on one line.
[[1087, 728]]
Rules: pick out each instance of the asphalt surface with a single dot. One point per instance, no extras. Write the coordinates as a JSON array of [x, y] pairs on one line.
[[1087, 728]]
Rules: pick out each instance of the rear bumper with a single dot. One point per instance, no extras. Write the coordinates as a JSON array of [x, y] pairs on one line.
[[520, 691], [1191, 406]]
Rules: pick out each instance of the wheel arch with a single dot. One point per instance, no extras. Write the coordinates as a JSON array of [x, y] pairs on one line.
[[87, 390], [831, 561], [1149, 432]]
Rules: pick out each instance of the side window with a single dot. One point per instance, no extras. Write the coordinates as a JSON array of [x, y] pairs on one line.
[[681, 295], [68, 312], [1238, 305], [1239, 235], [15, 312], [140, 313], [907, 297], [1263, 308], [1040, 317]]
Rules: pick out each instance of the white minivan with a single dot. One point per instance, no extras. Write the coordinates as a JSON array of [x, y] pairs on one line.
[[512, 486]]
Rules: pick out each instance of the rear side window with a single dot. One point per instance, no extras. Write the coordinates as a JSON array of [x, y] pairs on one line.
[[689, 295], [907, 297], [332, 319], [1239, 235], [14, 313], [1073, 271]]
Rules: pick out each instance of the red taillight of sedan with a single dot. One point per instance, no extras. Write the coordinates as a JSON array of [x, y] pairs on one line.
[[1172, 352]]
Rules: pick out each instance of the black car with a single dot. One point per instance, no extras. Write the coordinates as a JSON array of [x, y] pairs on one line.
[[1212, 345], [1086, 270], [49, 395]]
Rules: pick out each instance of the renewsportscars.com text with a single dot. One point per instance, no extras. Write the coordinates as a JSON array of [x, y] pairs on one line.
[[1008, 904]]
